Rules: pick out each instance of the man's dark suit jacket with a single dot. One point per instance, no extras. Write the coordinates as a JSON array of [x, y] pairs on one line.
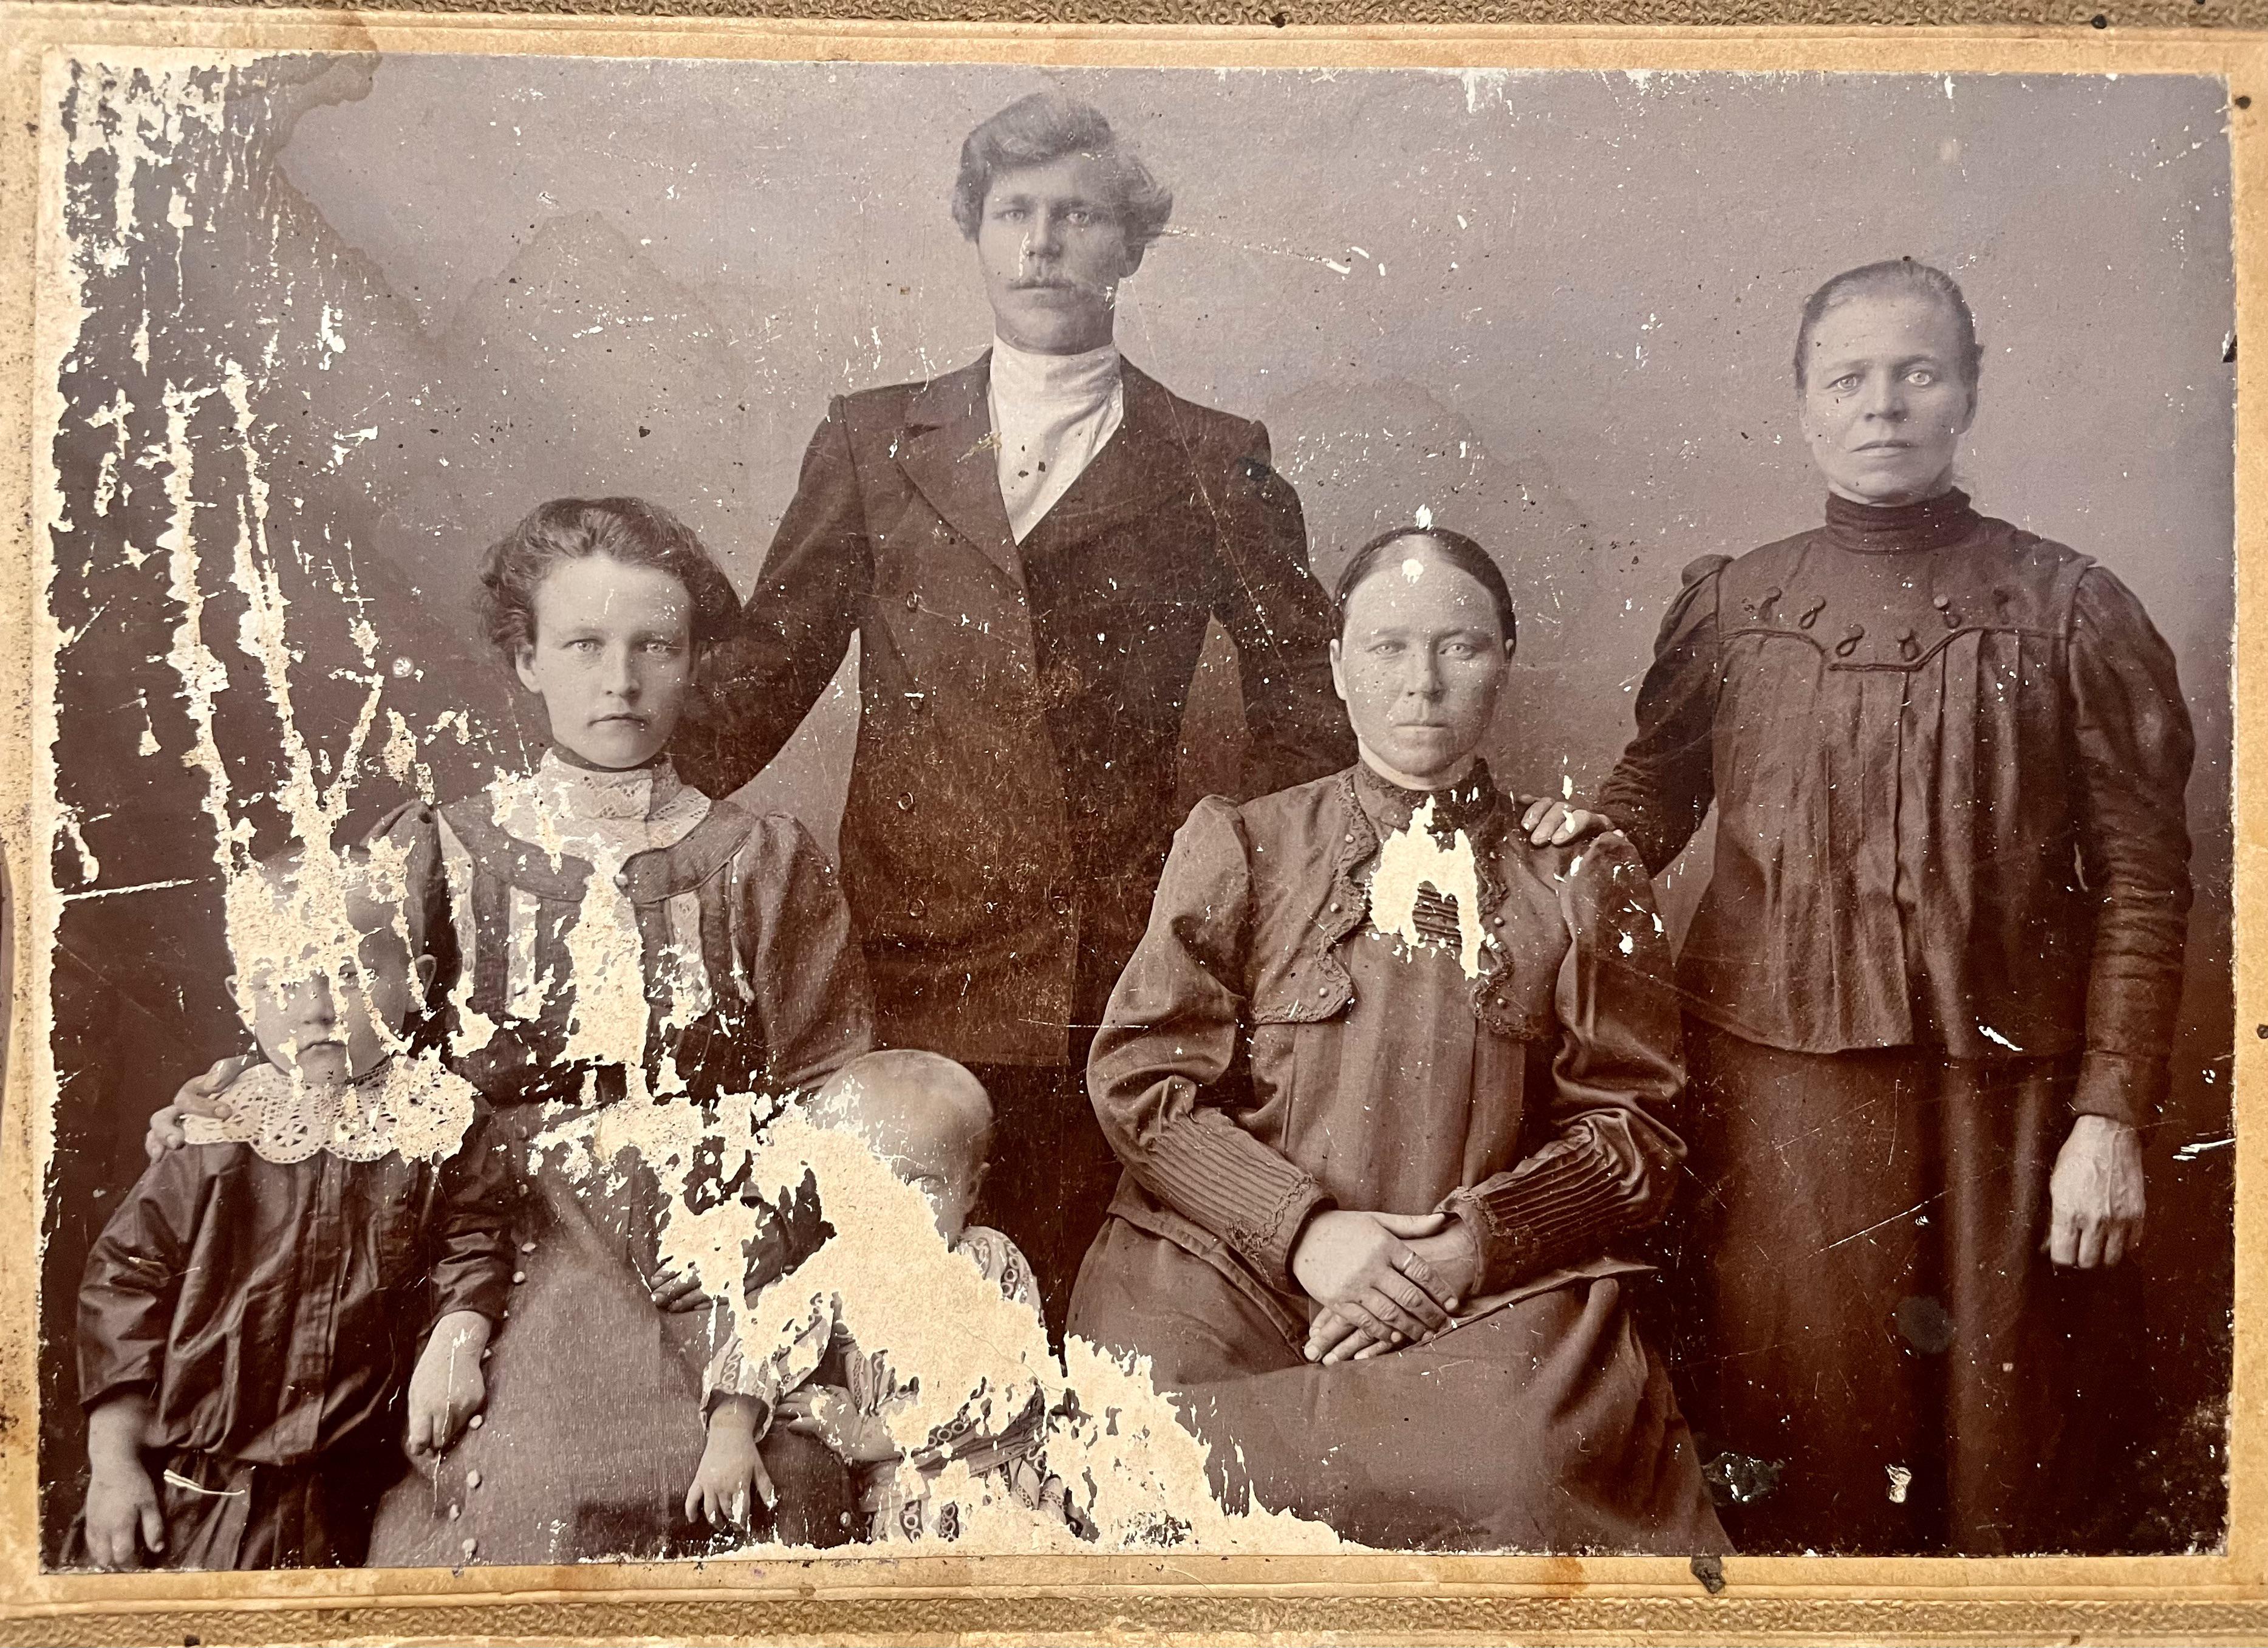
[[1012, 798]]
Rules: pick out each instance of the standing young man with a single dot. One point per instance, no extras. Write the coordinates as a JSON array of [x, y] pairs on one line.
[[1029, 550]]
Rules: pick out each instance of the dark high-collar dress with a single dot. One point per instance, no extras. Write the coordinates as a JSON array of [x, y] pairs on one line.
[[1947, 911], [1310, 1024]]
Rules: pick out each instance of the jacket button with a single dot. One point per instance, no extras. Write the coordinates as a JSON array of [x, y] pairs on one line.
[[915, 909], [1063, 906], [913, 603], [906, 801], [1322, 990]]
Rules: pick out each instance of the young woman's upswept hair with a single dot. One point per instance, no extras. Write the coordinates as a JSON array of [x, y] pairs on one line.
[[1461, 552], [626, 529]]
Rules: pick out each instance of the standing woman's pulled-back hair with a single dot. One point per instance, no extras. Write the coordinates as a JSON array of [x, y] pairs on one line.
[[1042, 128], [625, 529], [1901, 277], [1459, 551]]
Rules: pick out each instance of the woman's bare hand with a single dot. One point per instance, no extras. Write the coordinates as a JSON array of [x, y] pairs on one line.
[[1363, 1265], [199, 1096], [1453, 1257], [2095, 1200], [675, 1289]]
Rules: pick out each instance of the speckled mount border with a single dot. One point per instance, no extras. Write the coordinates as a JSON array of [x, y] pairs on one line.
[[1169, 1596], [2098, 14]]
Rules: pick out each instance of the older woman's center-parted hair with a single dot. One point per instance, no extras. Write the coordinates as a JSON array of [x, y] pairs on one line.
[[1043, 129], [1459, 551], [1895, 278], [625, 529]]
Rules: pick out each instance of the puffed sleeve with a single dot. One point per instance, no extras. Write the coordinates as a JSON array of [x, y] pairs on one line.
[[2134, 745], [1661, 789], [1277, 616], [760, 680], [1174, 1033], [134, 1276], [801, 957], [1610, 1163]]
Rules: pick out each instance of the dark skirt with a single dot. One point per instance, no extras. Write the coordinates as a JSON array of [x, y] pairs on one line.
[[592, 1426], [1547, 1425], [1877, 1354]]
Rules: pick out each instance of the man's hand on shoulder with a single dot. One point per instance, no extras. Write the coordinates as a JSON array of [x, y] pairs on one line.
[[1553, 823]]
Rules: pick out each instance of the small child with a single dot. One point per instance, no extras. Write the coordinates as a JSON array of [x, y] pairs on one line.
[[932, 1121], [249, 1315]]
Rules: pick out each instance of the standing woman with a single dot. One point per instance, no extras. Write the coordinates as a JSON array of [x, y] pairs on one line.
[[1934, 978]]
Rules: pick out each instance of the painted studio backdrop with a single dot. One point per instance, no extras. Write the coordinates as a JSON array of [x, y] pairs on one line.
[[347, 320]]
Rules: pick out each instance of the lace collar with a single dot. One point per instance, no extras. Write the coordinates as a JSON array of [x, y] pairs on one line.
[[415, 1105], [1464, 806], [597, 815]]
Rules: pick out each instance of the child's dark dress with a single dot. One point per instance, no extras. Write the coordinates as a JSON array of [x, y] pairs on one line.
[[272, 1310]]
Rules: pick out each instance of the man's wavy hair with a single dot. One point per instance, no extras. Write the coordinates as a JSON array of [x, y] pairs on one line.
[[1044, 128]]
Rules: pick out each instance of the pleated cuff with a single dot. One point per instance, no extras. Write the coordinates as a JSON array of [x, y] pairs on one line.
[[1556, 1210], [1249, 1195]]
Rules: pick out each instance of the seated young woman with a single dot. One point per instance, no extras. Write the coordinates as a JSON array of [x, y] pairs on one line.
[[616, 939], [1389, 1079]]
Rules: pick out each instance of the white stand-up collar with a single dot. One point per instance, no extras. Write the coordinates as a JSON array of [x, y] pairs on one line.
[[1050, 414]]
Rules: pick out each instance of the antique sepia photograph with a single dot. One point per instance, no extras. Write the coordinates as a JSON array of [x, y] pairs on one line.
[[803, 810]]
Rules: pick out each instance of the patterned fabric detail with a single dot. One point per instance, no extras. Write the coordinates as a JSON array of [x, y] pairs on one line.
[[578, 812], [1008, 1455], [411, 1105], [596, 816]]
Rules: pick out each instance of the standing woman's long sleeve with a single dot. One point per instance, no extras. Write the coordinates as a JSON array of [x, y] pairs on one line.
[[2133, 744], [1661, 789]]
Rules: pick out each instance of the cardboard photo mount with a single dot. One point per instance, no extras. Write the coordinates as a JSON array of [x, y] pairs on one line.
[[1172, 1595]]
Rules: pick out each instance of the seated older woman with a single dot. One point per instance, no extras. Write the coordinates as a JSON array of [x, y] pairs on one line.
[[1388, 1080]]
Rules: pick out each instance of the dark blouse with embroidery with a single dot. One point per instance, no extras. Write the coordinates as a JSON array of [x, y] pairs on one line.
[[1949, 759], [1274, 1047]]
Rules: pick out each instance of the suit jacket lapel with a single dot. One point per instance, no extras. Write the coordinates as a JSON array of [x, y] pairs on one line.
[[1140, 465], [949, 455]]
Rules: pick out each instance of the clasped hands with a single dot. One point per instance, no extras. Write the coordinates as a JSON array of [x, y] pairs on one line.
[[1384, 1280]]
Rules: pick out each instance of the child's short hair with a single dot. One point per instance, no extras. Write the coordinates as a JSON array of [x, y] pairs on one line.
[[296, 913], [625, 529]]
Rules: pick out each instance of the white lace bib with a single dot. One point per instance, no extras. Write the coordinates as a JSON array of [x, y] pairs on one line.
[[411, 1105]]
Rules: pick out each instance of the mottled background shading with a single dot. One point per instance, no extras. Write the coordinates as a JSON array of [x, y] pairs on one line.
[[1555, 310]]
